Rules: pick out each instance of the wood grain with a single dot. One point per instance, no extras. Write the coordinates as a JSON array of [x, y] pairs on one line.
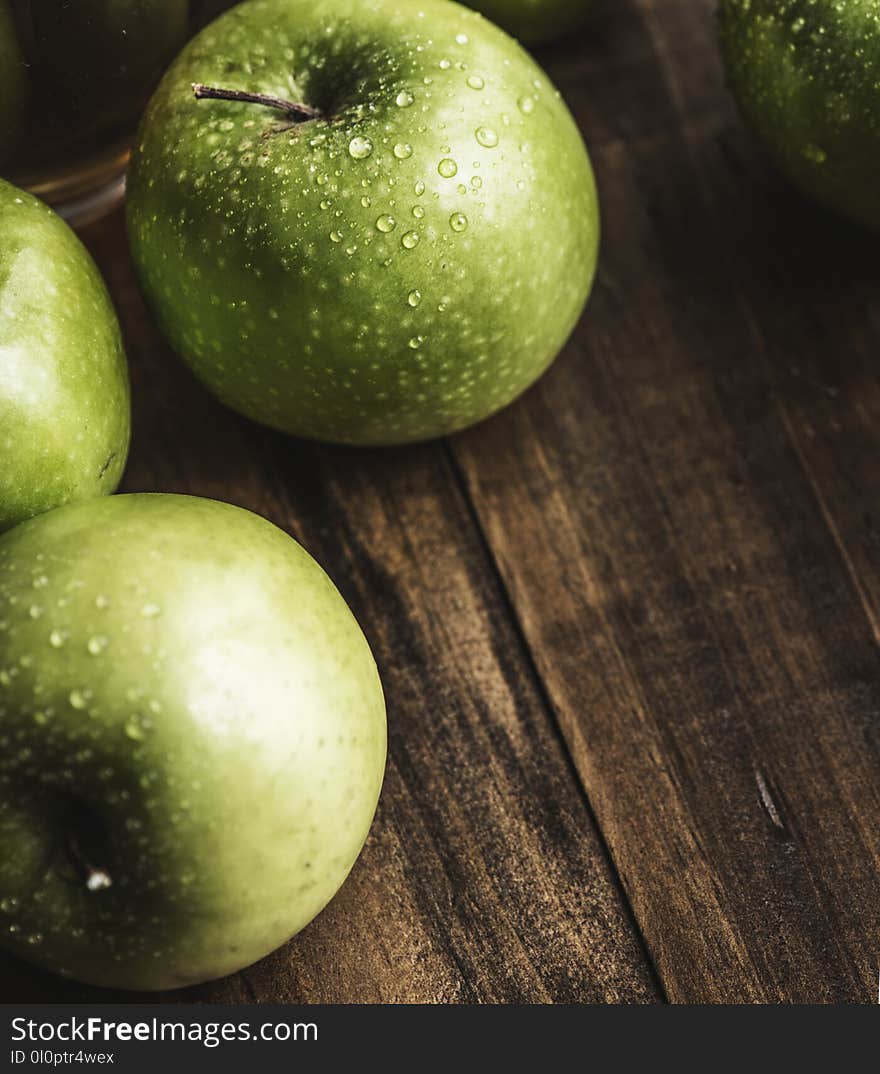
[[484, 879], [629, 628], [682, 512]]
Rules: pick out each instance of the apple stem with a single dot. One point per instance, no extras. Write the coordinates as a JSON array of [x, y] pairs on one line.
[[299, 113]]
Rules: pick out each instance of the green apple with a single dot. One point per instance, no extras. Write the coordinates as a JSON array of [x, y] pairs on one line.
[[64, 405], [13, 84], [192, 740], [535, 22], [389, 239], [806, 74]]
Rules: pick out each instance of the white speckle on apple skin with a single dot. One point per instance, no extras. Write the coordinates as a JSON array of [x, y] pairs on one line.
[[279, 258], [229, 746]]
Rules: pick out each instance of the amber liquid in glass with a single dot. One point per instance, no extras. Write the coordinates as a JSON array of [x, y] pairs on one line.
[[74, 78]]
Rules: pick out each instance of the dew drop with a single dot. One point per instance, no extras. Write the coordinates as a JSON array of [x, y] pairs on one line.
[[458, 222], [526, 105], [365, 201], [410, 240], [134, 729], [815, 153], [35, 611], [416, 342], [360, 148], [97, 644], [404, 99], [418, 212], [461, 39], [419, 188], [414, 298], [336, 236], [486, 137], [9, 905], [385, 224], [78, 698], [56, 639], [403, 150], [475, 82], [447, 168]]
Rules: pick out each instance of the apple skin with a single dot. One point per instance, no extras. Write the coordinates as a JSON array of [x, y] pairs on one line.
[[807, 80], [335, 279], [187, 703], [537, 22], [64, 396]]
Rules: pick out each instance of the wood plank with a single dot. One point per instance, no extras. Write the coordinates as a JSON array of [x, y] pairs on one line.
[[703, 641], [483, 878]]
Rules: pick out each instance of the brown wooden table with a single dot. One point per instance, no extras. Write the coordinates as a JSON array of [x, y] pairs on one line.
[[628, 629]]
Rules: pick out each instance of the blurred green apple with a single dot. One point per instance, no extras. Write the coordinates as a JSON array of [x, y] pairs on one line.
[[393, 254], [13, 84], [806, 74], [64, 405], [192, 740], [536, 22]]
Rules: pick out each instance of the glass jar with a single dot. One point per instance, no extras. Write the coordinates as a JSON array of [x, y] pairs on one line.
[[74, 78]]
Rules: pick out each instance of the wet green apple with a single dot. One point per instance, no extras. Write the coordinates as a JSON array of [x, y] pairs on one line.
[[536, 22], [192, 740], [806, 74], [64, 404], [388, 241]]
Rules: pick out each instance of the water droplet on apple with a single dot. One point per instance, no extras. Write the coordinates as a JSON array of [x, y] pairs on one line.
[[419, 188], [336, 236], [486, 137], [458, 222], [9, 905], [815, 153], [414, 298], [97, 644], [365, 201], [475, 82], [360, 148], [461, 39], [56, 639], [526, 104], [386, 223], [404, 99], [410, 240], [418, 212], [416, 342], [134, 729], [79, 698], [403, 150], [447, 168], [35, 611]]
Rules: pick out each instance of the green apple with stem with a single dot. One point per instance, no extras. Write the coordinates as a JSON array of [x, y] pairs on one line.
[[64, 395], [192, 740], [807, 79], [362, 221], [537, 22]]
